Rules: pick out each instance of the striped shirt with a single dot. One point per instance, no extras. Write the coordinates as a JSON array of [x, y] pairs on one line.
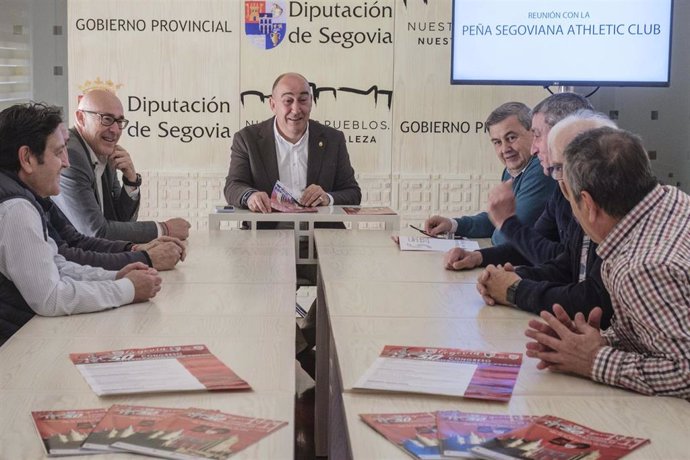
[[51, 285], [646, 269]]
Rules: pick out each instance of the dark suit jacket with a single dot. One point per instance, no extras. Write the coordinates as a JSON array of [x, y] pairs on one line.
[[254, 163], [78, 199], [87, 250]]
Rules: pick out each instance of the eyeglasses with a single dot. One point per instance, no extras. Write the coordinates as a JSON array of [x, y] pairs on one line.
[[556, 172], [108, 120]]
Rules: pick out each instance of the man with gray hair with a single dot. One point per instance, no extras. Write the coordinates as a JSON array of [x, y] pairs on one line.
[[573, 278], [527, 244], [642, 230], [509, 130]]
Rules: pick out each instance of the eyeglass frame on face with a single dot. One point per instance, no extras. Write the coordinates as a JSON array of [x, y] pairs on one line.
[[104, 117], [555, 172]]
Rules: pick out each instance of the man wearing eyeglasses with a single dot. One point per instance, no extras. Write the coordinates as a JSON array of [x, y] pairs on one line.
[[92, 196]]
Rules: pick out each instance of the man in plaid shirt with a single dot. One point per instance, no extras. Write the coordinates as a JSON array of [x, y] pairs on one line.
[[643, 231]]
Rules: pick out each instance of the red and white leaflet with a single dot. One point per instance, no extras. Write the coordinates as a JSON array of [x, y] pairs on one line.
[[369, 211], [156, 369], [426, 243], [123, 422], [550, 437], [284, 201], [459, 431], [415, 432], [202, 434], [443, 371], [64, 431]]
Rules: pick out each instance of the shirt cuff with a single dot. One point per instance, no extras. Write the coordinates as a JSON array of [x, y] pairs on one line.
[[132, 192], [127, 289], [159, 229], [453, 226], [245, 197], [606, 365], [330, 199]]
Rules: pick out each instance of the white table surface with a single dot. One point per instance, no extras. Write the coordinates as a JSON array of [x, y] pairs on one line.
[[376, 295], [235, 293]]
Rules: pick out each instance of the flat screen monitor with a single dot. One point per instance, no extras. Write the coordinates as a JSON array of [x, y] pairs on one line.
[[561, 42]]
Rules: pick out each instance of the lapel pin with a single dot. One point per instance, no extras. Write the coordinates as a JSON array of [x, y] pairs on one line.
[[320, 144]]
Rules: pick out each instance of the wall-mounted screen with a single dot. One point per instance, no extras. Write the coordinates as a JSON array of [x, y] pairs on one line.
[[562, 42]]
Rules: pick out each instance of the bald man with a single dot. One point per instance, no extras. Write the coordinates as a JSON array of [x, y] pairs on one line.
[[91, 195], [309, 158]]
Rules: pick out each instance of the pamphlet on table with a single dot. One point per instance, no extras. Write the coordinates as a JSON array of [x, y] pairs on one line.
[[63, 431], [283, 200], [426, 243], [202, 434], [123, 422], [455, 434], [551, 437], [443, 371], [188, 434], [459, 431], [415, 433], [156, 369]]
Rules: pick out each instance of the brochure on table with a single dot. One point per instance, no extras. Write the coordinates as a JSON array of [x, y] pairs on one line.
[[123, 422], [443, 371], [63, 431], [426, 243], [202, 434], [551, 437], [415, 433], [459, 431], [156, 369]]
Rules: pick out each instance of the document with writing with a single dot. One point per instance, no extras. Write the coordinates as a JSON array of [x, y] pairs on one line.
[[145, 370], [425, 243], [443, 371]]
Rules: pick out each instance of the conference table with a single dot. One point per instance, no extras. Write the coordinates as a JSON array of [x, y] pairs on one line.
[[235, 293], [371, 294], [305, 223]]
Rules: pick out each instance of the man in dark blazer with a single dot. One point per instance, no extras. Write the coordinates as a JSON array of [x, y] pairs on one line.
[[91, 195], [309, 158], [257, 160]]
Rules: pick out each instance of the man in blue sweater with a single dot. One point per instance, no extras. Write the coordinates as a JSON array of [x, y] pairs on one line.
[[571, 279], [527, 243], [509, 130]]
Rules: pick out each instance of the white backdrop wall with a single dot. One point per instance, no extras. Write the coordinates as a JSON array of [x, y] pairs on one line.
[[380, 71], [191, 77]]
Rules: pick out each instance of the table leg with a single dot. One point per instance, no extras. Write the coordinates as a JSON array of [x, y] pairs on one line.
[[323, 334]]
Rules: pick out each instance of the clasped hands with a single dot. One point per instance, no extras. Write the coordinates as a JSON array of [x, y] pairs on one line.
[[560, 343], [312, 196], [565, 345], [165, 252]]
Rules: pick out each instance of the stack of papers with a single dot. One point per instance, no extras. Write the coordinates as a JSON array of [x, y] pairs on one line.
[[453, 434], [157, 369], [189, 434], [425, 243], [443, 371]]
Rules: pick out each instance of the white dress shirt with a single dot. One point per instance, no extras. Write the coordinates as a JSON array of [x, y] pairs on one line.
[[51, 285], [292, 162]]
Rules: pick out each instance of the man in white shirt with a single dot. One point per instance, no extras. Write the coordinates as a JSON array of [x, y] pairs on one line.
[[34, 278]]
